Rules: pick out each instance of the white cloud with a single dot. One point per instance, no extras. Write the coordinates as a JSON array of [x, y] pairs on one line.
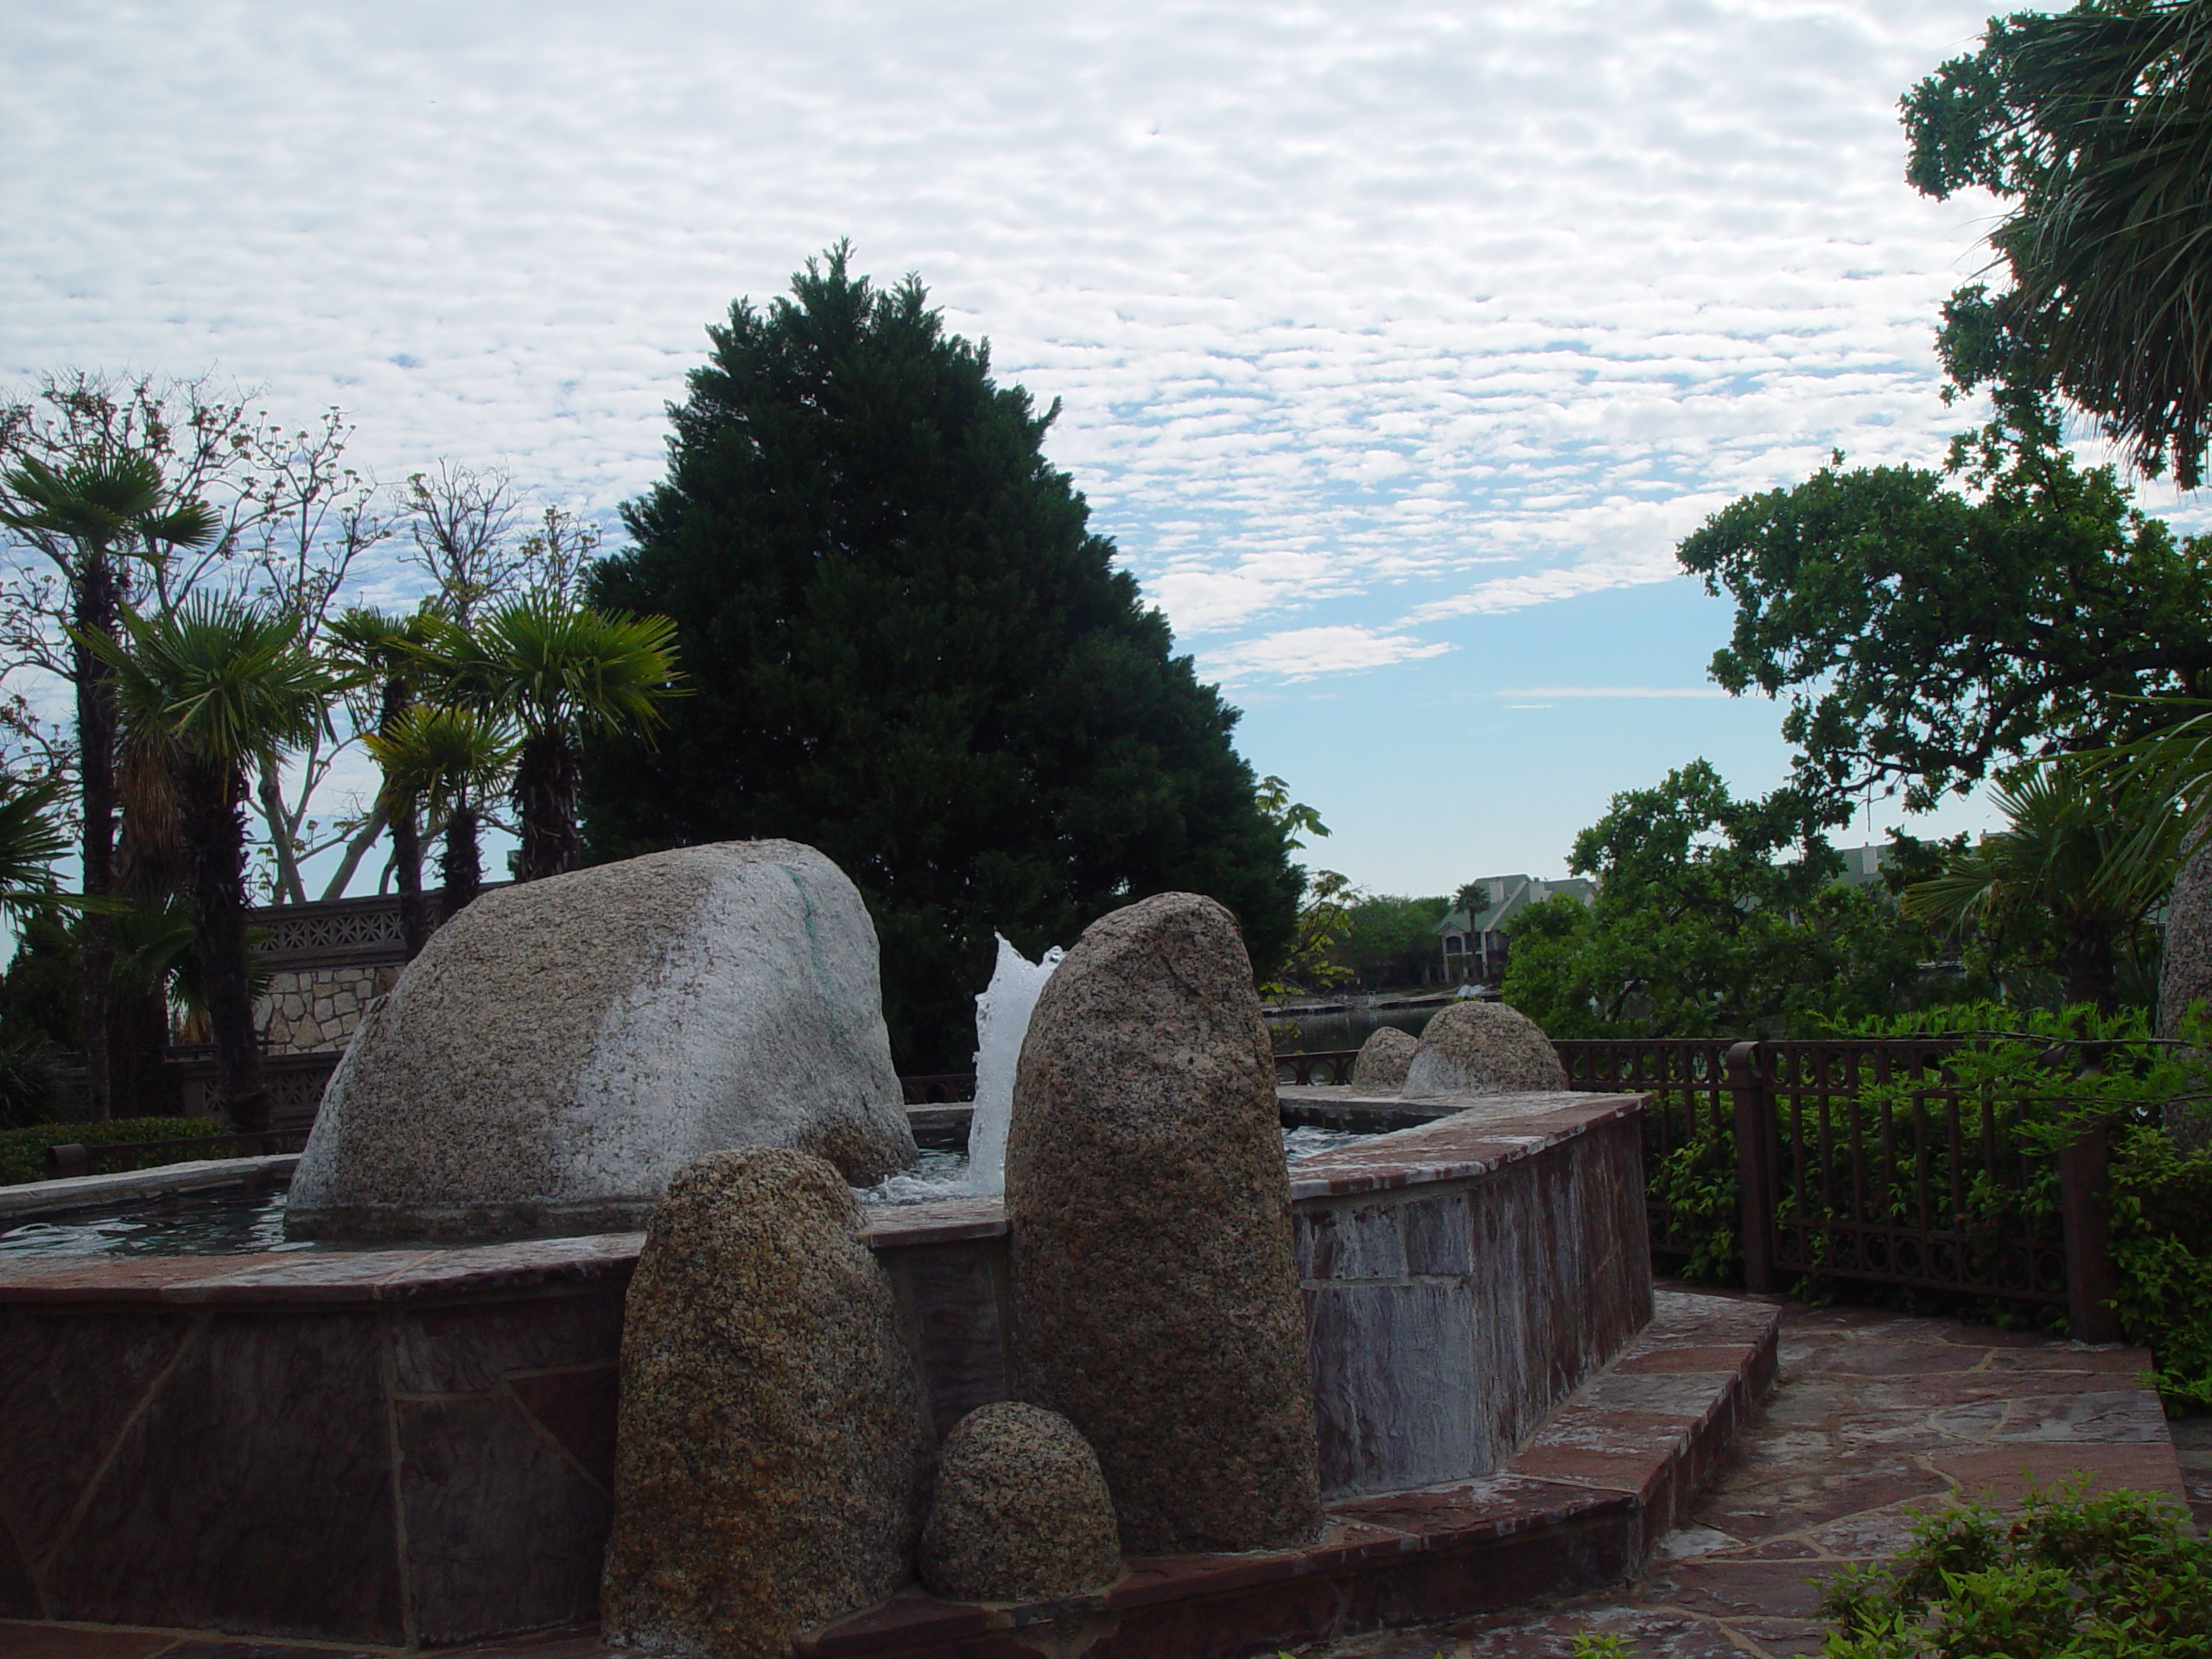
[[1305, 653], [1362, 309], [1610, 691]]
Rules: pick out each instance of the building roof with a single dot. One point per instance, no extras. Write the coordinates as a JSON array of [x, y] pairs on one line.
[[1510, 894]]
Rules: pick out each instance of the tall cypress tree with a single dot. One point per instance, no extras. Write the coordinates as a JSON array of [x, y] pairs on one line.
[[907, 650]]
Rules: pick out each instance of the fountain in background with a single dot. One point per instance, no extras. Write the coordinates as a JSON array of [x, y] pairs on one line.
[[1001, 1021]]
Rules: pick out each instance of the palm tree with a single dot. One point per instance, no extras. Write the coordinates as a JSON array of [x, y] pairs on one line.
[[215, 685], [85, 519], [2097, 125], [560, 671], [373, 647], [2084, 852], [449, 760]]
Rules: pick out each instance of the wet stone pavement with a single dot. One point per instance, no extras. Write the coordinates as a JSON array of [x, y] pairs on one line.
[[1875, 1414]]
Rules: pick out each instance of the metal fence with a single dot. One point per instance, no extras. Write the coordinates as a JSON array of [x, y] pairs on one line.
[[1862, 1161]]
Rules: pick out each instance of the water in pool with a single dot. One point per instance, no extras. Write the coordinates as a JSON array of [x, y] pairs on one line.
[[235, 1224]]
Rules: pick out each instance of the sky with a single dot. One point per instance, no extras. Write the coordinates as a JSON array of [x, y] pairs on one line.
[[1396, 344]]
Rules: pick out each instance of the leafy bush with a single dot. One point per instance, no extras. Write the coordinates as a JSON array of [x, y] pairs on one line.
[[23, 1152], [2121, 1574], [30, 1089]]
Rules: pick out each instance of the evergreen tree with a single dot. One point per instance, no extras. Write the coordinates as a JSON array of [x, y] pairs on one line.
[[908, 650]]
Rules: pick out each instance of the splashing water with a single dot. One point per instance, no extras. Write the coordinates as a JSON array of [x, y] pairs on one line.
[[1001, 1021]]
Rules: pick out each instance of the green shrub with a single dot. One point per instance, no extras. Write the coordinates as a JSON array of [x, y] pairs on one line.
[[2119, 1575], [30, 1088], [23, 1152]]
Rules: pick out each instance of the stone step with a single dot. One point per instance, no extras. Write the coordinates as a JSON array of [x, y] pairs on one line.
[[1614, 1467]]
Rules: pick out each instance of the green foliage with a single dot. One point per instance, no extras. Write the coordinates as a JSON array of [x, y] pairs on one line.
[[1324, 907], [1600, 1645], [1696, 1180], [1715, 917], [30, 1089], [2084, 859], [22, 1151], [2092, 128], [40, 996], [1924, 633], [2121, 1575], [1389, 938], [219, 680], [2160, 1206], [909, 651]]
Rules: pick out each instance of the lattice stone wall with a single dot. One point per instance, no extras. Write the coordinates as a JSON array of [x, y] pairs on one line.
[[307, 1009]]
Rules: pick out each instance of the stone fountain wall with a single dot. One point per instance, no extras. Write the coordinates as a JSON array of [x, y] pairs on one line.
[[401, 1446]]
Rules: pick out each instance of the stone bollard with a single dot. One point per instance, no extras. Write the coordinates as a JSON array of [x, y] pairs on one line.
[[1021, 1511], [772, 1447], [1155, 1298], [1384, 1058], [1483, 1048]]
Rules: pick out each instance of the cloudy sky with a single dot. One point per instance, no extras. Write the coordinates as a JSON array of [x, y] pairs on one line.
[[1398, 343]]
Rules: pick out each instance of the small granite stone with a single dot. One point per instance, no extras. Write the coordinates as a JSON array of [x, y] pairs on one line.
[[1483, 1048], [1156, 1298], [561, 1047], [772, 1447], [1021, 1511], [1384, 1058]]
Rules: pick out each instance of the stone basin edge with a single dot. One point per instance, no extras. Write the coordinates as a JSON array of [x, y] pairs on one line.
[[1491, 1133]]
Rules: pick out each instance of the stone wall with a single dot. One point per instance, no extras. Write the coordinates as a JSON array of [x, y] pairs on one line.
[[311, 1009]]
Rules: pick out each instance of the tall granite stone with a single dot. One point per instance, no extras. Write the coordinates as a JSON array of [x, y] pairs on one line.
[[1483, 1048], [2185, 977], [1155, 1300], [1019, 1512], [561, 1047], [772, 1449], [1384, 1058]]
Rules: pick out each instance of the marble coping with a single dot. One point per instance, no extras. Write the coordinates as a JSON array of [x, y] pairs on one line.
[[27, 1199], [1485, 1135]]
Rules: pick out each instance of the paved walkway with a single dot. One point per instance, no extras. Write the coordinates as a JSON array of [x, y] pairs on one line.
[[1875, 1414]]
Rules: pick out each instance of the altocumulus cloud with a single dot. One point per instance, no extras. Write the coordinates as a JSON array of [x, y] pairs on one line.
[[1366, 317]]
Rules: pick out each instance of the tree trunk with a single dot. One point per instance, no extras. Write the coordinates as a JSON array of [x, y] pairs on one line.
[[407, 863], [97, 600], [288, 888], [462, 868], [2086, 961], [546, 795], [214, 839], [139, 1083]]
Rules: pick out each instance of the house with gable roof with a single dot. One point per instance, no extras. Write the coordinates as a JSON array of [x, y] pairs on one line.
[[1471, 938]]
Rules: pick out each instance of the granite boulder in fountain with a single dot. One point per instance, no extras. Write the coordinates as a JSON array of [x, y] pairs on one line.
[[1483, 1048], [561, 1047], [1155, 1295], [1384, 1057], [771, 1449], [1021, 1511]]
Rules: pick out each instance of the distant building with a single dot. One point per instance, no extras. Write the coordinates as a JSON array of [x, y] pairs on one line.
[[1473, 945], [1862, 866]]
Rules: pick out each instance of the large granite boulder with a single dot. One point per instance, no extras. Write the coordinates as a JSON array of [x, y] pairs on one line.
[[1021, 1511], [561, 1047], [1483, 1048], [772, 1447], [1155, 1300], [1384, 1057]]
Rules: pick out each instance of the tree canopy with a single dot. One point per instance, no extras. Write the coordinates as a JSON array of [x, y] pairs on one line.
[[2094, 127], [1928, 626], [907, 649], [1715, 917]]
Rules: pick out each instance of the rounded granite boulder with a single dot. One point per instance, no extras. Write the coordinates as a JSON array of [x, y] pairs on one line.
[[1155, 1298], [1384, 1058], [772, 1447], [1021, 1511], [561, 1047], [1483, 1048]]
